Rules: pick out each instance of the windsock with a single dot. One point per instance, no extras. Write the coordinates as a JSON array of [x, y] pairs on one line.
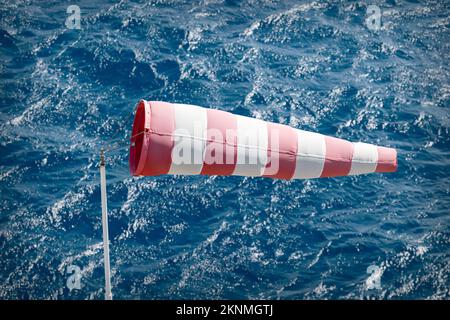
[[171, 138]]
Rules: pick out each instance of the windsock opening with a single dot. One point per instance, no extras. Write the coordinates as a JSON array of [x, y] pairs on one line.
[[138, 137]]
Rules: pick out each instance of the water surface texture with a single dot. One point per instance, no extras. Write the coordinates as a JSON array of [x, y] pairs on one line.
[[317, 66]]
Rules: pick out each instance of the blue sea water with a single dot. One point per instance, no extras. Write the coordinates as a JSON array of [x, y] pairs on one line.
[[314, 65]]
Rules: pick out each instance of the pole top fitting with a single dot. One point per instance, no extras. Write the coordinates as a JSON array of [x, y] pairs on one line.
[[102, 157]]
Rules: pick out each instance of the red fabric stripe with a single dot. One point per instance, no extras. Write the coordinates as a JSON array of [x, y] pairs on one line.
[[160, 142], [223, 123], [387, 160], [338, 157], [283, 153]]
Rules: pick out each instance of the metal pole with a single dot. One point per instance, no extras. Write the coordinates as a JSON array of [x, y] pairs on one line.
[[108, 294]]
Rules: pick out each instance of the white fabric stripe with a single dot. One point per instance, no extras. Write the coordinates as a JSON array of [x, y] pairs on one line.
[[311, 150], [189, 139], [365, 158], [252, 141]]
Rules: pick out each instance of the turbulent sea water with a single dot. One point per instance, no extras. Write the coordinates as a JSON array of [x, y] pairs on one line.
[[317, 66]]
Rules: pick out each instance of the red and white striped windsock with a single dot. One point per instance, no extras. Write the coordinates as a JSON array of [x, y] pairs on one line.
[[170, 138]]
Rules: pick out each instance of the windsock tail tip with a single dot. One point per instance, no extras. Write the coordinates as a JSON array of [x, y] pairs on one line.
[[387, 160]]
